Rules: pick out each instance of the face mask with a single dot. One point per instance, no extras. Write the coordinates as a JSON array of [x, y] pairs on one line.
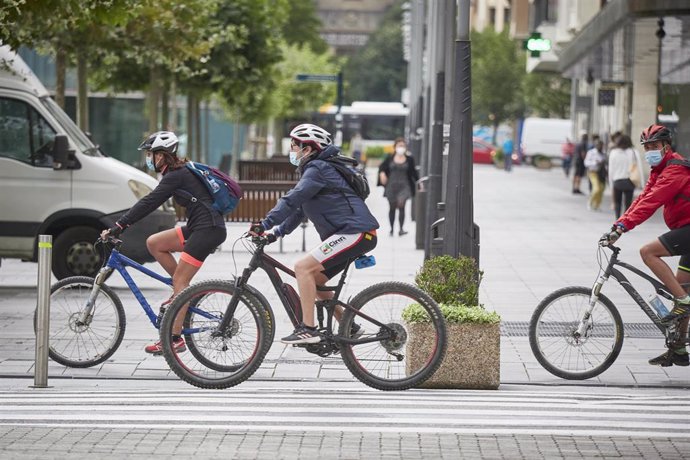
[[653, 157], [149, 163], [293, 157], [400, 150]]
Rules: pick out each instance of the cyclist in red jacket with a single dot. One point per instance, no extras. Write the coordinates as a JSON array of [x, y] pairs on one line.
[[668, 186]]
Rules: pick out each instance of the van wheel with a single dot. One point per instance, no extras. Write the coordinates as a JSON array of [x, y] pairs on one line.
[[74, 253]]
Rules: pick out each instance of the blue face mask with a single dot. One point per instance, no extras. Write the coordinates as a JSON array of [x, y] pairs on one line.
[[293, 157], [149, 163], [653, 157]]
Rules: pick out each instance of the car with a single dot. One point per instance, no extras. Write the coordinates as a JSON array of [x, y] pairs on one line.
[[482, 152]]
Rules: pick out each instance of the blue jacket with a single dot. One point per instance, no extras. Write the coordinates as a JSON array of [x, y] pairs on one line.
[[317, 197]]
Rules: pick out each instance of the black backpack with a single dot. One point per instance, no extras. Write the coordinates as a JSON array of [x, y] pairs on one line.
[[357, 181]]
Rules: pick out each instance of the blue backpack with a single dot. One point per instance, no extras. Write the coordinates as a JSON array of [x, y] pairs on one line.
[[224, 190]]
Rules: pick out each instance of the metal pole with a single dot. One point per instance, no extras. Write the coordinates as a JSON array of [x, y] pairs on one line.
[[338, 141], [460, 235], [45, 248]]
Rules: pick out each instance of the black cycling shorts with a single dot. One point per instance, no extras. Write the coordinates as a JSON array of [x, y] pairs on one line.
[[677, 243], [337, 250], [198, 244]]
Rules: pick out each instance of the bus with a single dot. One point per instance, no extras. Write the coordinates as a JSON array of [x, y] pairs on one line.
[[379, 123]]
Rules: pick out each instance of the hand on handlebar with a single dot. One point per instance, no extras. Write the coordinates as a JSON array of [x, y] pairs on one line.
[[256, 229], [113, 232], [610, 237]]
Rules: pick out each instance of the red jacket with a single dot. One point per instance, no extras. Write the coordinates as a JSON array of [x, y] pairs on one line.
[[668, 186]]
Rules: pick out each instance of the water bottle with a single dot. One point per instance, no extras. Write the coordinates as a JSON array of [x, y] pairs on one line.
[[658, 305]]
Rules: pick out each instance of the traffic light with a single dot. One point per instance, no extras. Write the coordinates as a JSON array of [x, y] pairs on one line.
[[535, 44]]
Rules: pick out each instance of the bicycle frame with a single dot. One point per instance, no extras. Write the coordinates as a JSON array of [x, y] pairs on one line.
[[261, 260], [660, 288], [119, 262]]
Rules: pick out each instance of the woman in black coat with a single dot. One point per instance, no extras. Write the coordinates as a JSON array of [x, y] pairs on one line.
[[398, 175]]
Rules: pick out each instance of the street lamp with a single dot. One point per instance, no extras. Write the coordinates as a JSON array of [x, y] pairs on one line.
[[660, 34]]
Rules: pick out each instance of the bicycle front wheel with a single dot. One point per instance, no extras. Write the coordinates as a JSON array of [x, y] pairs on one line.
[[216, 360], [78, 341], [556, 343], [404, 357]]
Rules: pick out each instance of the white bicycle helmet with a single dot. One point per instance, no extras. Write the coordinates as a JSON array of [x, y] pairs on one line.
[[161, 141], [312, 135]]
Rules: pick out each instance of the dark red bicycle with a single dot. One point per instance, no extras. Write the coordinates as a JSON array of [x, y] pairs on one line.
[[237, 328]]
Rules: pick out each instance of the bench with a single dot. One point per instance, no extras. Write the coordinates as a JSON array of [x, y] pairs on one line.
[[276, 169]]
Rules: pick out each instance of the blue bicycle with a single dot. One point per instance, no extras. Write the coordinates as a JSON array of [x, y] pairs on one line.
[[87, 320]]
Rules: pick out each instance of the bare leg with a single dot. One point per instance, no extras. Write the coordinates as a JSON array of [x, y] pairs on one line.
[[181, 279], [683, 277], [307, 271], [161, 245], [651, 255]]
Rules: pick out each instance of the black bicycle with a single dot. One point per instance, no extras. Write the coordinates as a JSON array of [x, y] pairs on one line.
[[576, 332], [376, 354]]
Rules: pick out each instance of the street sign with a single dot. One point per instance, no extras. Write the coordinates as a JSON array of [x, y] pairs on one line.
[[313, 77], [536, 45]]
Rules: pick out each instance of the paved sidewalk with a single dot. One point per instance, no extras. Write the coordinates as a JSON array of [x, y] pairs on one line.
[[535, 237]]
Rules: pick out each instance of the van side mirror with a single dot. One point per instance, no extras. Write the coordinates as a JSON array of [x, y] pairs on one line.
[[60, 152]]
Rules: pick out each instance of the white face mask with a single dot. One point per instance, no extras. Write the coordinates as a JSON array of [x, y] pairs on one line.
[[400, 150], [293, 157]]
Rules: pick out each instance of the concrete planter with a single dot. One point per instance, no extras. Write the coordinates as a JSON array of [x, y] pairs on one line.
[[473, 358]]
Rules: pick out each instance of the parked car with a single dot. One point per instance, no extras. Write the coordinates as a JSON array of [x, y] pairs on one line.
[[482, 152], [545, 137]]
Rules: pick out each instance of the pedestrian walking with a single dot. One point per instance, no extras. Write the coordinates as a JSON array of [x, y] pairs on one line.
[[594, 162], [567, 151], [622, 164], [580, 153], [508, 154], [398, 175]]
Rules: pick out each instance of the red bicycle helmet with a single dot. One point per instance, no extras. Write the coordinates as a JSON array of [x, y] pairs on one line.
[[655, 133]]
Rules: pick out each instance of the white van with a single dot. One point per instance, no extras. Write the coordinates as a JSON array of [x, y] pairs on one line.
[[545, 136], [54, 180]]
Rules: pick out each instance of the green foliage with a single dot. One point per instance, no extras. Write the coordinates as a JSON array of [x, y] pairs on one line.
[[291, 98], [497, 73], [375, 152], [302, 26], [547, 94], [450, 280], [378, 71], [453, 313]]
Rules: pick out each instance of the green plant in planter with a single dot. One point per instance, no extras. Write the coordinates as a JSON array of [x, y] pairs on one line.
[[375, 152], [414, 313], [473, 354], [454, 284]]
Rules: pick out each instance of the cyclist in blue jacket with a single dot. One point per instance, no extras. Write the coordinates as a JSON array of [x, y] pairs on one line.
[[346, 226]]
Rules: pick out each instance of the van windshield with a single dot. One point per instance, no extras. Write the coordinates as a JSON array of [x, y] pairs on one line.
[[84, 144]]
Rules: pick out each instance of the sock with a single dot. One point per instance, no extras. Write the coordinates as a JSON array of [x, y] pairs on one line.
[[176, 337], [683, 300], [311, 328], [681, 351]]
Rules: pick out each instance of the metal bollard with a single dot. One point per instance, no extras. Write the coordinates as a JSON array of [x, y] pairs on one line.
[[45, 250]]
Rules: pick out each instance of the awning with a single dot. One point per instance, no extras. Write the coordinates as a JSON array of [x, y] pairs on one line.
[[613, 17]]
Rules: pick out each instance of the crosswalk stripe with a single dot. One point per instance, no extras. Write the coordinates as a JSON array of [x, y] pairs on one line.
[[361, 411]]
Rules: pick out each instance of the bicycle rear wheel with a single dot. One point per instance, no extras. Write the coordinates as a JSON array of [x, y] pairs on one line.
[[216, 361], [557, 346], [74, 343], [389, 363]]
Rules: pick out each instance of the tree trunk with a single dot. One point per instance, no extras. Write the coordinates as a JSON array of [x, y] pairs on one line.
[[165, 108], [82, 93], [197, 130], [60, 71], [154, 97], [173, 104], [190, 125], [493, 138]]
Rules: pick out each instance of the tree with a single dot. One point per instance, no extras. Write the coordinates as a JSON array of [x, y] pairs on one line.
[[547, 94], [497, 73], [378, 71], [302, 26]]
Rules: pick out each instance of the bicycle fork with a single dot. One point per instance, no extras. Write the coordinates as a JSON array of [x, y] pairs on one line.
[[586, 321], [86, 315]]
